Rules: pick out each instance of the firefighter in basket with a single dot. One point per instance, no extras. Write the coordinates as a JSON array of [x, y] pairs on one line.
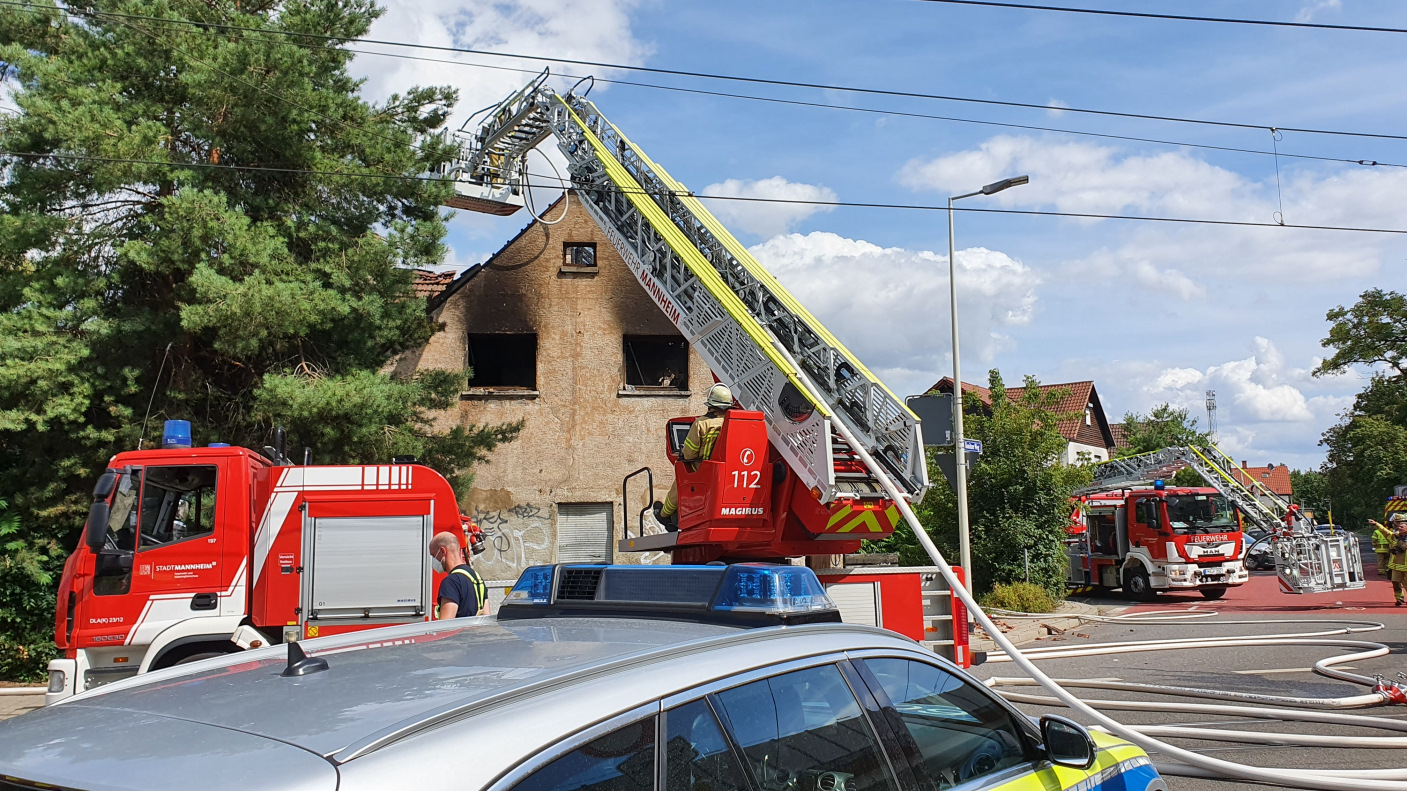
[[698, 445]]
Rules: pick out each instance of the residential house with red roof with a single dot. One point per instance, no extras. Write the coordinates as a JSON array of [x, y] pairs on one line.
[[1088, 435]]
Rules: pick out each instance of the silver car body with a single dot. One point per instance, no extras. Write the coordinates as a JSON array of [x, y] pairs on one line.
[[468, 704]]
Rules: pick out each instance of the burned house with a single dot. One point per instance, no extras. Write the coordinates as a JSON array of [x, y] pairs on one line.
[[560, 335]]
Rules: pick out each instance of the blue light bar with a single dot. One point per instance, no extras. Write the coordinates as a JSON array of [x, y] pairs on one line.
[[533, 587], [745, 594], [772, 589]]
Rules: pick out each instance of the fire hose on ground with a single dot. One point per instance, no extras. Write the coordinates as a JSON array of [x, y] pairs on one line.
[[1143, 736]]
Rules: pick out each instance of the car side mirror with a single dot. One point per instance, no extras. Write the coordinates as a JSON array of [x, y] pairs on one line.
[[95, 531], [1067, 743]]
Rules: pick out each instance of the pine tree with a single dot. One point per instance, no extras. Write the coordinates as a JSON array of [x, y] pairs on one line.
[[208, 222]]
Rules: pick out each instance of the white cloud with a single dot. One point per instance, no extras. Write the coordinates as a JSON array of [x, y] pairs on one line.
[[1057, 108], [889, 305], [1306, 14], [766, 219], [1100, 179], [581, 29]]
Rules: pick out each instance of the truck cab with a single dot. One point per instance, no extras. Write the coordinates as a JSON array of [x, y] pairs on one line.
[[1148, 540]]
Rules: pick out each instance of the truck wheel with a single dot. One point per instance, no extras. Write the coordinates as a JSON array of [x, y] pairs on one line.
[[1213, 593], [1137, 586]]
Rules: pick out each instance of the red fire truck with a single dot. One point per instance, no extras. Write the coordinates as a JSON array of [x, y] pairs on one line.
[[1151, 540], [192, 552]]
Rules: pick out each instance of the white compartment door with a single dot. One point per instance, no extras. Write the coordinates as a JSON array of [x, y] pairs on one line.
[[584, 532], [369, 566], [858, 602]]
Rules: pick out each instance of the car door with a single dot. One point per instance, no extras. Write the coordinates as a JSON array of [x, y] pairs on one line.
[[953, 731], [178, 566]]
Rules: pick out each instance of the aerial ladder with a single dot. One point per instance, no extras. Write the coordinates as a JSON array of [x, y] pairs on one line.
[[1306, 560], [836, 426]]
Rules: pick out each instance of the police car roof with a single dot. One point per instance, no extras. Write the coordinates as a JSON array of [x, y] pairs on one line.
[[387, 686]]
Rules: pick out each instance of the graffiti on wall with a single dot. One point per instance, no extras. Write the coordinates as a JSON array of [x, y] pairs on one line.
[[514, 539]]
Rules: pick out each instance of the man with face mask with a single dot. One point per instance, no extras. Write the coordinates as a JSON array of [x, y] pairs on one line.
[[463, 592]]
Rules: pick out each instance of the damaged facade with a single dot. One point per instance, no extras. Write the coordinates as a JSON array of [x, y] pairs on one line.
[[561, 335]]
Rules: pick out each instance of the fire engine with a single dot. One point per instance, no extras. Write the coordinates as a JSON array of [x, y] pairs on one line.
[[1150, 540], [192, 552], [1306, 560]]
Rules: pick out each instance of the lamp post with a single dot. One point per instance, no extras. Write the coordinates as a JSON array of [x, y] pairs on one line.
[[964, 537]]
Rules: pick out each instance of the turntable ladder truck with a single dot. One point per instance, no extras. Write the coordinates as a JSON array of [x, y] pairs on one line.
[[786, 477], [1306, 561]]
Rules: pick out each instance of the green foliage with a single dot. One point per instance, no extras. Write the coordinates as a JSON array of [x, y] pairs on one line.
[[1165, 426], [1019, 597], [1188, 477], [1018, 493], [237, 299], [1373, 331], [28, 568], [1367, 449], [1311, 488]]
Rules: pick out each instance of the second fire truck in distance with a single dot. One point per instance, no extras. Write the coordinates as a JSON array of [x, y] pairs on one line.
[[1158, 539]]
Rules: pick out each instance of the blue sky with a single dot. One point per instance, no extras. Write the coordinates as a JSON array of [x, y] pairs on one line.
[[1151, 312]]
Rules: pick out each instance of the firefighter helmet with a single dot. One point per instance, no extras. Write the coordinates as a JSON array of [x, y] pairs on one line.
[[719, 397]]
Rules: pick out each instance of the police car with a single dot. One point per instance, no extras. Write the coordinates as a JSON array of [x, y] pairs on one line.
[[590, 678]]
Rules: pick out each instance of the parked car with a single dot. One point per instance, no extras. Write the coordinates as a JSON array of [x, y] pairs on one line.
[[600, 678]]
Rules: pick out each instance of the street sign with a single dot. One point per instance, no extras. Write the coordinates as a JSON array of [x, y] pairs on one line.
[[972, 445], [935, 414]]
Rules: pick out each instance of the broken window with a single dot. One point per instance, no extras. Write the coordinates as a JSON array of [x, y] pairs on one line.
[[579, 254], [656, 362], [503, 362]]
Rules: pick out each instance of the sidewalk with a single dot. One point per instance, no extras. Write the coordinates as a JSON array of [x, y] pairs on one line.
[[1063, 624]]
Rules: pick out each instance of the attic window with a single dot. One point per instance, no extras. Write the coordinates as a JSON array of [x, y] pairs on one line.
[[1089, 414], [656, 362], [579, 254], [1265, 475], [502, 361]]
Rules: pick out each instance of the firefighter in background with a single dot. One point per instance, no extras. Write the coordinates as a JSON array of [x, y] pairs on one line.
[[698, 445], [462, 593], [1382, 542], [1397, 562]]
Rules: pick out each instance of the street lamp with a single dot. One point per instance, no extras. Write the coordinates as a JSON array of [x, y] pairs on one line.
[[964, 537]]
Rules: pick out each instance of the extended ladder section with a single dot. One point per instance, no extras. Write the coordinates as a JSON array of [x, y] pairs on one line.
[[1306, 561], [774, 355]]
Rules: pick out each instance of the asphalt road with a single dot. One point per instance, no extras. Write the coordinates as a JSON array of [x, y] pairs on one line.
[[1281, 670]]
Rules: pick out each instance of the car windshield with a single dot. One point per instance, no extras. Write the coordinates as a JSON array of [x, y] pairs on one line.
[[1200, 513]]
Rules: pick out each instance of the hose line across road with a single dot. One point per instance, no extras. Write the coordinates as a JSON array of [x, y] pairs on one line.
[[1275, 682]]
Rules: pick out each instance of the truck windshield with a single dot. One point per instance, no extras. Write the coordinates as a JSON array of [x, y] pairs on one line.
[[1200, 513]]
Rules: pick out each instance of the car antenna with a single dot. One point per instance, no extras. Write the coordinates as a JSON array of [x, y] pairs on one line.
[[300, 664]]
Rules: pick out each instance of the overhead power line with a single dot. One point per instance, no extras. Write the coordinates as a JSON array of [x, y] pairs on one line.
[[1177, 17], [792, 201], [741, 78], [878, 111]]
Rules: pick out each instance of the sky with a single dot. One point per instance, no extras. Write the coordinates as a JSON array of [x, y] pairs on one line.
[[1152, 312]]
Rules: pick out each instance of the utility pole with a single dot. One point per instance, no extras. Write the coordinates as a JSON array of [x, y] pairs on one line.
[[1211, 415]]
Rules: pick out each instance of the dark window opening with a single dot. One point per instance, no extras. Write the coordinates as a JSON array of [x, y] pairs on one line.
[[656, 362], [501, 361], [579, 254], [178, 503]]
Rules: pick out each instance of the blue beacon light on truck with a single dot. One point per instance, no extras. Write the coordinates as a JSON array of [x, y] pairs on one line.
[[741, 594], [176, 434]]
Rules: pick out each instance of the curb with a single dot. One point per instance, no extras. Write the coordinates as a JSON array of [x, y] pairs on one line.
[[1066, 618]]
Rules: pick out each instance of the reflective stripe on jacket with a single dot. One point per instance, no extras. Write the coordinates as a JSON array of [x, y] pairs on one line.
[[481, 591]]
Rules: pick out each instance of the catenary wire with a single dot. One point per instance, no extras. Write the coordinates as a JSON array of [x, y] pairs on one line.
[[877, 111], [738, 78], [777, 100], [1174, 17], [793, 201]]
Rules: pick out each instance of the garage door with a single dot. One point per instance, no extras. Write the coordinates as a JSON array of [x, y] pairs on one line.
[[584, 532]]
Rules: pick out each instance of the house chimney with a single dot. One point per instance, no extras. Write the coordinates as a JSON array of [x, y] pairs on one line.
[[1243, 464]]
